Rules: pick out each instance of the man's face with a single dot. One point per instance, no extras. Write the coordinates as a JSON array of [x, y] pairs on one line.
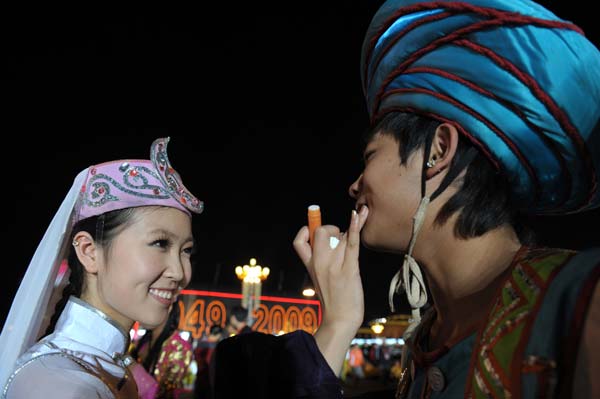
[[230, 328], [391, 191]]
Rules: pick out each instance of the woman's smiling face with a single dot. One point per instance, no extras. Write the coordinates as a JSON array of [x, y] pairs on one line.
[[140, 274]]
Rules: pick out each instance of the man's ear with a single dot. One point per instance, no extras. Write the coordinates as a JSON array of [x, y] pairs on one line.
[[443, 149], [87, 251]]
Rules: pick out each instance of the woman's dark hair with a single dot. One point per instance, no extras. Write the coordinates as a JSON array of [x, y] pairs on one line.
[[170, 326], [103, 229], [483, 201]]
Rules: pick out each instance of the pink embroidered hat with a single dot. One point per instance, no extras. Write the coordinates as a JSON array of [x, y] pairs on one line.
[[134, 182]]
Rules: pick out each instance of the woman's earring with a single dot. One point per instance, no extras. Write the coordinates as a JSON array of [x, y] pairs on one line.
[[431, 163]]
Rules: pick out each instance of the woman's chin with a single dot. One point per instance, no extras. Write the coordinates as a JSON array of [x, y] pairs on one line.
[[153, 322], [149, 324]]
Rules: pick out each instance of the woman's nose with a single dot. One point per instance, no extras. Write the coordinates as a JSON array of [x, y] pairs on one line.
[[175, 270]]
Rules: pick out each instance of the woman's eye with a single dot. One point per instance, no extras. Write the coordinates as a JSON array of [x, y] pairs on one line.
[[188, 250], [161, 243]]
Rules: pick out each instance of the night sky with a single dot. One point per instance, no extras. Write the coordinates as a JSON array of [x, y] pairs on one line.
[[270, 115]]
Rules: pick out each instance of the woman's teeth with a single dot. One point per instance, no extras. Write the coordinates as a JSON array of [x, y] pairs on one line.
[[162, 293]]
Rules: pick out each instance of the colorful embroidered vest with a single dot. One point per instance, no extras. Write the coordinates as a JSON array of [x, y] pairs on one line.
[[529, 343]]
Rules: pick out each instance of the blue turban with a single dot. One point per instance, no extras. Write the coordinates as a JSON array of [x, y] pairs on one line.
[[522, 84]]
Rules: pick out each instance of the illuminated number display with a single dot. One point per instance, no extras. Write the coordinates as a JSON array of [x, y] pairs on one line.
[[275, 315]]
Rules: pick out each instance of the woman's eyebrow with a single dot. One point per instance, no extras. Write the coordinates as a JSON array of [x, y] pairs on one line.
[[170, 234]]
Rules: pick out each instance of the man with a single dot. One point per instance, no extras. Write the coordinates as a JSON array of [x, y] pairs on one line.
[[238, 321], [356, 361], [483, 113], [203, 355]]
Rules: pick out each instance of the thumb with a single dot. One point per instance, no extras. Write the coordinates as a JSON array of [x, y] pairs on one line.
[[302, 246]]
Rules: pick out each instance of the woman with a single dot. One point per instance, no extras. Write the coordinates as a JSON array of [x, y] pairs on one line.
[[165, 355], [128, 237], [125, 227]]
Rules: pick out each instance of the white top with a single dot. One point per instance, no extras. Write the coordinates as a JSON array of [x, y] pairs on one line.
[[83, 358]]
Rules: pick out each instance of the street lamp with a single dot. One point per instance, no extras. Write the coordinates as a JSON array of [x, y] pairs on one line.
[[252, 276], [307, 287], [378, 325], [377, 328]]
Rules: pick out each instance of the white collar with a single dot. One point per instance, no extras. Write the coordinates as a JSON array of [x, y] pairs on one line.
[[84, 323]]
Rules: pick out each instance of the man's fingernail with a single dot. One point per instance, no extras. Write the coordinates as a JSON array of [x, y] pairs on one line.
[[333, 242]]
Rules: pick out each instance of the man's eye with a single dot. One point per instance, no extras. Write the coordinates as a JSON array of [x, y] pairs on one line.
[[367, 155]]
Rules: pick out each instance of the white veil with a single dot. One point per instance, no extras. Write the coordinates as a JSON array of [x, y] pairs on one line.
[[33, 304]]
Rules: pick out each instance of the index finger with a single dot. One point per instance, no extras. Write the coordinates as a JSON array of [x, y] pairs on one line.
[[357, 221]]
